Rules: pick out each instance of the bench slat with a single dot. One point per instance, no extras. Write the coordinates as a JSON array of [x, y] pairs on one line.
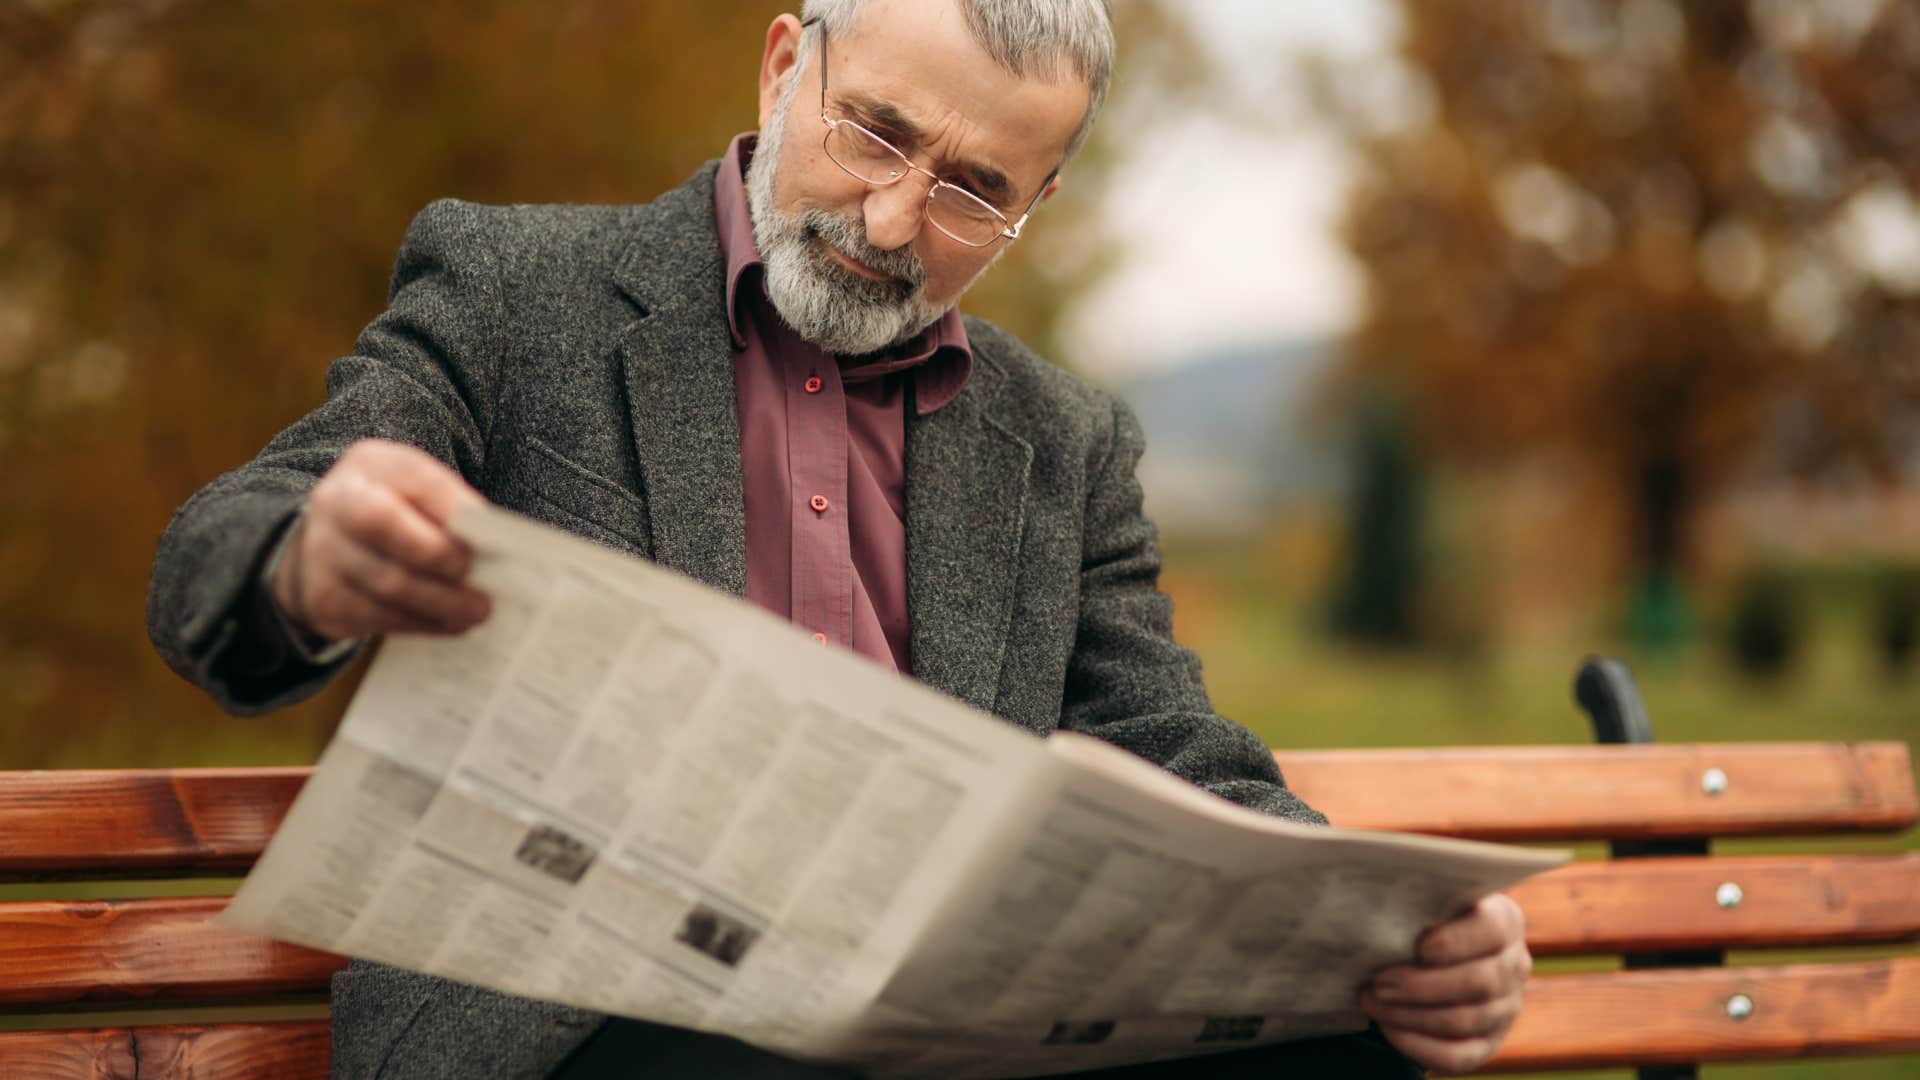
[[100, 951], [285, 1050], [1612, 792], [1647, 905], [123, 823], [57, 954], [1672, 1017], [113, 950], [144, 822], [1570, 1021]]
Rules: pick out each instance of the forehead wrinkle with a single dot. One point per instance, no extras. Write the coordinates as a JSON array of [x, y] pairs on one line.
[[884, 112]]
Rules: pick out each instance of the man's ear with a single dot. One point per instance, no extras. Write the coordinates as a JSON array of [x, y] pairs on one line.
[[1053, 185], [778, 63]]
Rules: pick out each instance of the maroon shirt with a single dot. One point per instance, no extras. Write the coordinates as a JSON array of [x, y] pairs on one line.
[[823, 452]]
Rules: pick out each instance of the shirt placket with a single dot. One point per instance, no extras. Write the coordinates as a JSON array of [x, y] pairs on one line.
[[817, 451]]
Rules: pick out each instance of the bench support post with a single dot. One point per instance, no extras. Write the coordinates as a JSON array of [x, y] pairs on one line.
[[1606, 690]]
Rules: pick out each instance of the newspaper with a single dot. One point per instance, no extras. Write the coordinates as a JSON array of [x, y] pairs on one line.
[[630, 793]]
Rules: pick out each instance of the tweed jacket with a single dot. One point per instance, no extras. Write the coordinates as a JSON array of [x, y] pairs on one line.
[[573, 364]]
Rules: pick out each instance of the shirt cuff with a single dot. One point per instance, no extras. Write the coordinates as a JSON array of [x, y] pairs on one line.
[[310, 647]]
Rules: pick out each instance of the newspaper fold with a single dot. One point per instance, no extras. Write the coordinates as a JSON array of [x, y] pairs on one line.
[[630, 793]]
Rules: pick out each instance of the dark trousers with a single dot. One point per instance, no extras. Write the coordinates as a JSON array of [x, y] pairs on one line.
[[627, 1049]]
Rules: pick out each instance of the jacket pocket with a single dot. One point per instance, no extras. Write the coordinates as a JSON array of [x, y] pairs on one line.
[[541, 483]]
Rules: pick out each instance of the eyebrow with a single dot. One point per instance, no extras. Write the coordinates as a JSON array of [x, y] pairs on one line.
[[885, 114]]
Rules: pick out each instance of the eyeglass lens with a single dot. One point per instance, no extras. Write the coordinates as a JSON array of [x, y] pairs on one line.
[[954, 212]]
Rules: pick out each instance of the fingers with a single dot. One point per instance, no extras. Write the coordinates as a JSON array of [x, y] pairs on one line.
[[342, 614], [1441, 1054], [409, 472], [1447, 1038], [1451, 1010], [1481, 1020], [1470, 983], [421, 600], [373, 553], [418, 477], [1486, 928], [376, 517]]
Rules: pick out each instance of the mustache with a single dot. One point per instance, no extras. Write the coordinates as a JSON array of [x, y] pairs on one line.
[[850, 239]]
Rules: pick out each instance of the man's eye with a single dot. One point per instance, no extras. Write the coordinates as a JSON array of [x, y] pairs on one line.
[[967, 186], [983, 197]]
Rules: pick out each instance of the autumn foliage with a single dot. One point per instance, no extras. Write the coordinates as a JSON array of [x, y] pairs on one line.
[[1665, 244], [199, 206]]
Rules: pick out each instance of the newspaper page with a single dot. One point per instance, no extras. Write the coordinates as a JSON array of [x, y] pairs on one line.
[[1139, 918], [630, 793], [627, 792]]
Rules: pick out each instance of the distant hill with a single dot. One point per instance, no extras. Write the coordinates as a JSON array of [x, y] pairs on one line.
[[1228, 437]]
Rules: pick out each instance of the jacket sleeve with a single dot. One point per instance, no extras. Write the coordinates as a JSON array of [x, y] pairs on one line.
[[422, 373], [1127, 681]]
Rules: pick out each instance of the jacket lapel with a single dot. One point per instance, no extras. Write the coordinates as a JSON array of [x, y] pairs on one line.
[[678, 366], [966, 511]]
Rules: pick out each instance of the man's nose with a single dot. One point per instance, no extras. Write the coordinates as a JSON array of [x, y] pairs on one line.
[[894, 213]]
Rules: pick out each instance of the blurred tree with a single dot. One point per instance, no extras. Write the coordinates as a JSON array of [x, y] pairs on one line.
[[1377, 599], [1896, 619], [199, 205], [1668, 241], [1767, 625]]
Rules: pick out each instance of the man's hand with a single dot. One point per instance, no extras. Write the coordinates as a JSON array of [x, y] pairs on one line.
[[1450, 1010], [373, 555]]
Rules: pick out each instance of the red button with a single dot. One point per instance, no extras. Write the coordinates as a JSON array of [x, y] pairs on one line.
[[814, 384], [819, 503], [821, 638]]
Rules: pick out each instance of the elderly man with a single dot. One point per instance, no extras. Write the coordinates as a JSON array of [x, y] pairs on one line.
[[760, 379]]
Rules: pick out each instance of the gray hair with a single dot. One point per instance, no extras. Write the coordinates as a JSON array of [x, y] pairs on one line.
[[1022, 36]]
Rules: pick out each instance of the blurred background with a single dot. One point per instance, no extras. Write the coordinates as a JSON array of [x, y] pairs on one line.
[[1470, 336]]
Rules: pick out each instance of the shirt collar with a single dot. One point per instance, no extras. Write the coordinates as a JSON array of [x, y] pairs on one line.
[[940, 358]]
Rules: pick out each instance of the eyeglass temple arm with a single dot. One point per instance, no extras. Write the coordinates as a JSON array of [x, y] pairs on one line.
[[823, 61], [1014, 232]]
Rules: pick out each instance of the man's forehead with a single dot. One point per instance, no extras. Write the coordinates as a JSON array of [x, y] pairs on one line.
[[918, 60], [898, 126]]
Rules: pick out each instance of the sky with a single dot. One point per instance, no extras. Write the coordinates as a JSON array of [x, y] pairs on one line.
[[1245, 250]]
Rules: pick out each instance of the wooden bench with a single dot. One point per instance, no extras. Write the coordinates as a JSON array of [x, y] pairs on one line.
[[1660, 901]]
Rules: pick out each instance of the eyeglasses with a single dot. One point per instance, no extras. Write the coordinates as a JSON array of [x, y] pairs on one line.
[[867, 157]]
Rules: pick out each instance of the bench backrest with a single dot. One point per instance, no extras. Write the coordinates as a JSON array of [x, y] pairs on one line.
[[1663, 911], [75, 955], [82, 956]]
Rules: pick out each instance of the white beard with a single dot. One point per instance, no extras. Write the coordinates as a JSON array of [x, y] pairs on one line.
[[826, 303]]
